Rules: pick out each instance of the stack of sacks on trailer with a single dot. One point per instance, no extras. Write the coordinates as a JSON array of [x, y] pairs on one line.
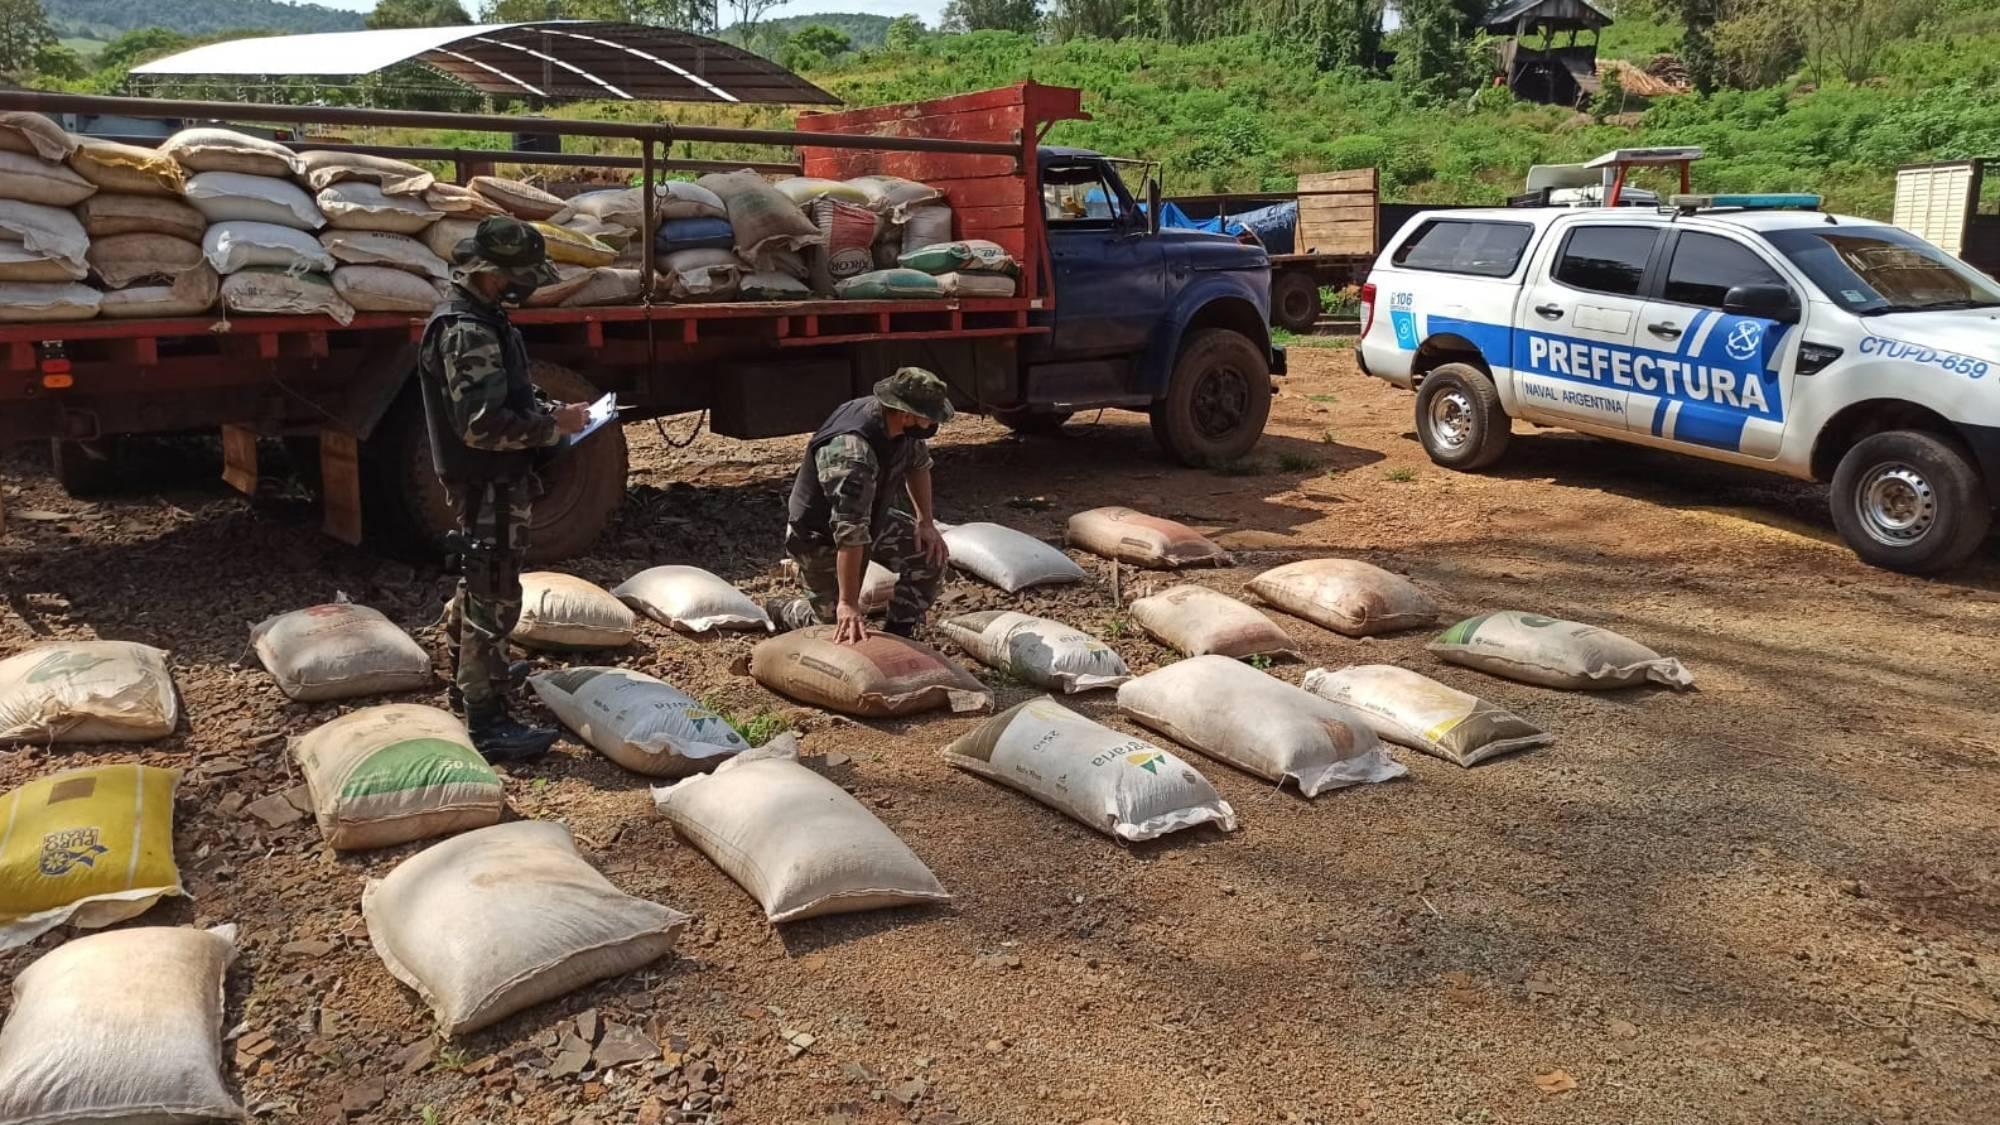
[[374, 207], [589, 239], [145, 240], [43, 249], [972, 267], [769, 233], [909, 216]]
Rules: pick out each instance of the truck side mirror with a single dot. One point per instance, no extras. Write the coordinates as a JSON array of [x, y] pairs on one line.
[[1771, 302], [1152, 204]]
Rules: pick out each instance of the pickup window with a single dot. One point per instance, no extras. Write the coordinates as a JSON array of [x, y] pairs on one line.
[[1606, 259], [1080, 194], [1705, 266], [1484, 249]]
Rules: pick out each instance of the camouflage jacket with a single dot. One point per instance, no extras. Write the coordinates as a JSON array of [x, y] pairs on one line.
[[483, 367], [850, 475]]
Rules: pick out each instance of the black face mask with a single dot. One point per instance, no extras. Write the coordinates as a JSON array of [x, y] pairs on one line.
[[516, 293], [922, 433]]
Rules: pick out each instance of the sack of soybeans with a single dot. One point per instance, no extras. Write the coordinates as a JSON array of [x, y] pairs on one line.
[[123, 259], [18, 263], [690, 598], [361, 206], [701, 275], [569, 281], [562, 611], [1045, 653], [883, 676], [221, 150], [762, 218], [376, 248], [847, 233], [1259, 724], [1346, 595], [523, 201], [1414, 710], [1198, 621], [338, 651], [383, 776], [48, 231], [86, 847], [894, 196], [33, 302], [459, 202], [231, 247], [36, 134], [381, 289], [573, 249], [605, 286], [1120, 785], [1143, 540], [278, 292], [1555, 653], [647, 725], [231, 197], [972, 255], [797, 842], [807, 190], [31, 179], [977, 284], [770, 285], [918, 228], [123, 168], [109, 213], [120, 1028], [889, 285], [87, 691], [878, 584], [444, 236], [189, 293], [499, 919], [324, 168], [1012, 560], [683, 199]]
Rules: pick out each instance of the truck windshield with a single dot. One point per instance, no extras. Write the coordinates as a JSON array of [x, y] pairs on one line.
[[1883, 269], [1080, 193]]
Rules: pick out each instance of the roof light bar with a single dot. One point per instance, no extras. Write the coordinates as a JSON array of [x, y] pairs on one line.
[[1762, 201]]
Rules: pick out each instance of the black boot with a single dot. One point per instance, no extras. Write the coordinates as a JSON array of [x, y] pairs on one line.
[[517, 676], [500, 738], [905, 629]]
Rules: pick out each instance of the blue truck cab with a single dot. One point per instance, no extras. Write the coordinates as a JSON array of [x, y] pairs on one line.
[[1171, 322]]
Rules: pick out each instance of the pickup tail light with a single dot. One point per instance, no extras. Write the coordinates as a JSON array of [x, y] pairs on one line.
[[1367, 308]]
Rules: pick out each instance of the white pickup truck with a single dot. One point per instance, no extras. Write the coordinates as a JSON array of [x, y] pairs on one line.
[[1818, 346]]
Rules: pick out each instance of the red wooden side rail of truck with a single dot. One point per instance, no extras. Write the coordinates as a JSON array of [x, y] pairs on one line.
[[1167, 322]]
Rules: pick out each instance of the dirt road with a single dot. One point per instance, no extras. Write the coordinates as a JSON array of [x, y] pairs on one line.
[[1774, 898]]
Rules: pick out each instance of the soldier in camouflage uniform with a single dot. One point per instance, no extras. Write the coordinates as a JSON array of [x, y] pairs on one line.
[[864, 492], [487, 426]]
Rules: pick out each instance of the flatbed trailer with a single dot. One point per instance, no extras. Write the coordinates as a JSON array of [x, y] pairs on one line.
[[1339, 232], [751, 369]]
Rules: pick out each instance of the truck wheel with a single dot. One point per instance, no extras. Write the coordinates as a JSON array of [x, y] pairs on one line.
[[1294, 301], [1217, 400], [1030, 423], [83, 469], [582, 488], [1459, 418], [1910, 501]]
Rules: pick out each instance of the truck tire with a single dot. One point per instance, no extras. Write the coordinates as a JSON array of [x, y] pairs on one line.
[[1294, 300], [1459, 418], [1031, 423], [582, 489], [1217, 400], [1910, 501]]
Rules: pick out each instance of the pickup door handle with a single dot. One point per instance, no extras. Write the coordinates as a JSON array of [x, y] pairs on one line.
[[1663, 329], [1549, 312]]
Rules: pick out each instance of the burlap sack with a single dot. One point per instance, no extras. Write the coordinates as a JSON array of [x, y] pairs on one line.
[[1143, 540], [387, 775], [798, 843], [562, 611], [1555, 653], [882, 676], [87, 691], [460, 202], [763, 219], [1198, 621], [647, 725], [382, 289], [496, 920], [445, 235], [18, 263], [894, 196], [34, 134], [1346, 595], [324, 168], [523, 201], [277, 292], [363, 206], [34, 302], [123, 259], [338, 651], [1414, 710], [191, 293], [30, 179], [109, 213], [221, 150], [1120, 785], [1045, 653], [1260, 724], [128, 169]]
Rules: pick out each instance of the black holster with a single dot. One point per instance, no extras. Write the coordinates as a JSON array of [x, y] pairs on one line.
[[486, 562]]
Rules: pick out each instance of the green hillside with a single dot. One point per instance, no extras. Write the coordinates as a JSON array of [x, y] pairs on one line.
[[864, 30], [107, 19]]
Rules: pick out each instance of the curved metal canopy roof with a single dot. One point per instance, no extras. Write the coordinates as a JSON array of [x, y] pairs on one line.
[[543, 59]]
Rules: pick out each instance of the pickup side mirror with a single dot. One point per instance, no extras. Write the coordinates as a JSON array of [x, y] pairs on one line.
[[1771, 302]]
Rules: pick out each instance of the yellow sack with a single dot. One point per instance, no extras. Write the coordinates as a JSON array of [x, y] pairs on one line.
[[90, 846], [574, 248]]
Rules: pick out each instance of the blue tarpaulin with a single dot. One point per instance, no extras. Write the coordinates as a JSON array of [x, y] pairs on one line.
[[1276, 226]]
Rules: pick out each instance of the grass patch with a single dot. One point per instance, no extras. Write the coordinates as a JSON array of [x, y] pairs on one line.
[[453, 1058], [1260, 662], [1296, 463], [755, 729], [1322, 398], [1328, 343], [1117, 627], [1401, 475]]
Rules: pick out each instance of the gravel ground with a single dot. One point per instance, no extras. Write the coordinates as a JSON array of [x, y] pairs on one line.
[[1773, 898]]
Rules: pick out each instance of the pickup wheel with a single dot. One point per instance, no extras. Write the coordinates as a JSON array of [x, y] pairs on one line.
[[582, 488], [1294, 300], [1459, 418], [1217, 400], [1910, 501]]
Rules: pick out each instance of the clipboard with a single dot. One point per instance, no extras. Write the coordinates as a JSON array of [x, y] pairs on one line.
[[602, 411]]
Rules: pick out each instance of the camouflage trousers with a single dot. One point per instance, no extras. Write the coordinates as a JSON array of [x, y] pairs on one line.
[[484, 610], [895, 547]]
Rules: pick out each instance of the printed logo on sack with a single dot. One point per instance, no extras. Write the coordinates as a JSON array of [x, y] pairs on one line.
[[63, 852], [60, 665], [1148, 761]]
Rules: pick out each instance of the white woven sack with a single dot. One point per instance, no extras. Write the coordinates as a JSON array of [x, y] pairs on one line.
[[1414, 710], [31, 179], [50, 231], [1198, 621], [30, 302], [18, 264], [1012, 560], [444, 236], [963, 284], [22, 131], [362, 206], [562, 611], [382, 289], [491, 922], [387, 775], [282, 293], [238, 246], [109, 213], [379, 248], [1260, 724], [232, 197], [120, 1028], [523, 201], [690, 598], [645, 724], [338, 651], [1120, 785], [1045, 653], [222, 150], [324, 168], [87, 691], [1346, 595], [798, 843], [1556, 653]]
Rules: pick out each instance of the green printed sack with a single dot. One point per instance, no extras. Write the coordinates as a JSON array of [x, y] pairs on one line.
[[972, 255], [1555, 653], [388, 775], [889, 285]]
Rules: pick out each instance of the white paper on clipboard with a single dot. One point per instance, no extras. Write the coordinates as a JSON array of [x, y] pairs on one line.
[[603, 410]]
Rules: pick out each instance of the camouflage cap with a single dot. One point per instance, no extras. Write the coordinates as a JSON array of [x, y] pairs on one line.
[[913, 390], [506, 246]]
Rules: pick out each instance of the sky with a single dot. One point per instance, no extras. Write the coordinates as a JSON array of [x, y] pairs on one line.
[[930, 10]]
